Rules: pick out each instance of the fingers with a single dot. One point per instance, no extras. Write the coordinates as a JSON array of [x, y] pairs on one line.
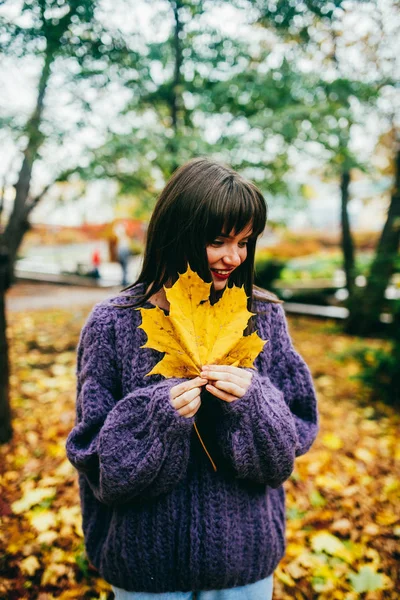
[[232, 389], [239, 377], [188, 403], [227, 382], [223, 381], [185, 397], [238, 371], [220, 394], [185, 386], [189, 410]]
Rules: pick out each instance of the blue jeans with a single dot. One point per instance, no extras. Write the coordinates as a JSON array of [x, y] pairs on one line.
[[260, 590]]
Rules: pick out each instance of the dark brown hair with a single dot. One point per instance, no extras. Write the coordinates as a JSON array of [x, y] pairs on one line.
[[201, 200]]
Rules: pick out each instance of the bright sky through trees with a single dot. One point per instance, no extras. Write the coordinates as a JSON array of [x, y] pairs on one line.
[[153, 23]]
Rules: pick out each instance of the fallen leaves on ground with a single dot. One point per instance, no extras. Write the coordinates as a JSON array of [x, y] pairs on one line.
[[343, 523]]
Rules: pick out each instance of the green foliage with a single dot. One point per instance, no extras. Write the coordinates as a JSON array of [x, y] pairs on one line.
[[321, 267], [295, 513], [379, 371], [213, 96], [82, 563], [293, 19], [200, 91], [65, 28], [316, 499], [267, 270], [71, 35], [311, 267]]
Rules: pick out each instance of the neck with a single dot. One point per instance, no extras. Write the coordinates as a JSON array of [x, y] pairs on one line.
[[159, 298]]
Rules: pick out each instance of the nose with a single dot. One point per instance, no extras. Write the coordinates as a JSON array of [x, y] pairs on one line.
[[232, 258]]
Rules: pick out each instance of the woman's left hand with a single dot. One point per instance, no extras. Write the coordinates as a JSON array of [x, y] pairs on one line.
[[228, 383]]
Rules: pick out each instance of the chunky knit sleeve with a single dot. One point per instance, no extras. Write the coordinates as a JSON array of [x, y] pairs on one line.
[[125, 446], [277, 419]]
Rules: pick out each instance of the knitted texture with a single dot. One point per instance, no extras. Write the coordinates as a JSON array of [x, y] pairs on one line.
[[156, 516]]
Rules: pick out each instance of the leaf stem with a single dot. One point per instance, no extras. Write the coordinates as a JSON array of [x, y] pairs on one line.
[[202, 443]]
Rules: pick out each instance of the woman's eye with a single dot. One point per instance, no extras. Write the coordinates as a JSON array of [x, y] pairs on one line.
[[243, 244], [217, 243]]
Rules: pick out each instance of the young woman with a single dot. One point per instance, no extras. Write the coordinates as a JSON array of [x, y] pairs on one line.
[[157, 517]]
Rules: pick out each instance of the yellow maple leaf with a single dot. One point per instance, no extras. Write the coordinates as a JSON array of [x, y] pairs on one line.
[[197, 333]]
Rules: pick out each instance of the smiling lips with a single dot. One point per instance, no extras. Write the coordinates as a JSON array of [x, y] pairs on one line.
[[220, 274]]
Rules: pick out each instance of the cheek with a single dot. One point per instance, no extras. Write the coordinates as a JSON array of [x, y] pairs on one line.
[[212, 255], [243, 254]]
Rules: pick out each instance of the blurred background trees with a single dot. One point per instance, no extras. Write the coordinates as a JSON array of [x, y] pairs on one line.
[[284, 92], [67, 37]]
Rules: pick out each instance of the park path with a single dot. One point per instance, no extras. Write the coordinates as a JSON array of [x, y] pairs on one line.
[[41, 296]]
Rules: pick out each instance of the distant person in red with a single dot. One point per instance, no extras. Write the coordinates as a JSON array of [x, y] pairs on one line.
[[96, 260]]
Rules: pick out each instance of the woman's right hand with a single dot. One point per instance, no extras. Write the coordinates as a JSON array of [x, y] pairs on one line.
[[185, 397]]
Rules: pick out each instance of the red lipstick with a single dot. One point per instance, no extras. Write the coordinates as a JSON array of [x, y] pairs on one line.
[[220, 276]]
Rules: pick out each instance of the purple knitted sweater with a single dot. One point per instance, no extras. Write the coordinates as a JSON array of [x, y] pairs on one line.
[[156, 516]]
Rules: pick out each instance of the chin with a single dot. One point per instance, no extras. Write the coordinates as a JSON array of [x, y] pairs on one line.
[[219, 285]]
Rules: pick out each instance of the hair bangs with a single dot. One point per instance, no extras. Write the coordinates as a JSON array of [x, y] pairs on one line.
[[236, 205]]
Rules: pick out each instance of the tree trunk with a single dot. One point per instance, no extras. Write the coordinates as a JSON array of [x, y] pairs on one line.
[[11, 239], [5, 411], [366, 307], [347, 240], [176, 91], [17, 223], [395, 375], [177, 67]]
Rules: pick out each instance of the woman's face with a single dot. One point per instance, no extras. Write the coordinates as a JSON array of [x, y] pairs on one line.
[[225, 253]]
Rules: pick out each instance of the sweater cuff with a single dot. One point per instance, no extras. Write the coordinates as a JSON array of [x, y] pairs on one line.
[[242, 405], [167, 417]]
